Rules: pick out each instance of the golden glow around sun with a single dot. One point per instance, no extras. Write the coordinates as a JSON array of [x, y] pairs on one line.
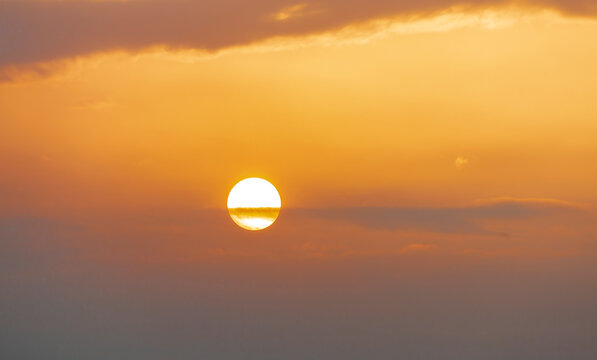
[[254, 204]]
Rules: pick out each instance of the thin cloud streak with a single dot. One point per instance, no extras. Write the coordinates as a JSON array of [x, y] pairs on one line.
[[452, 220]]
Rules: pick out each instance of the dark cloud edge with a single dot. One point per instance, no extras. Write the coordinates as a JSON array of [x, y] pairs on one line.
[[466, 220], [36, 36], [450, 220]]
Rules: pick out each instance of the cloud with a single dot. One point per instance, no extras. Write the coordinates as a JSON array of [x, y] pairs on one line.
[[533, 202], [33, 32], [464, 220], [20, 72], [293, 12], [461, 162]]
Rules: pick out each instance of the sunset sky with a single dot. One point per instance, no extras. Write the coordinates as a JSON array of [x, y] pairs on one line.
[[436, 161]]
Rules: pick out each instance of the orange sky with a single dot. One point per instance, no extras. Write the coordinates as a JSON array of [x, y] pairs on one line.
[[376, 117], [422, 150], [482, 122]]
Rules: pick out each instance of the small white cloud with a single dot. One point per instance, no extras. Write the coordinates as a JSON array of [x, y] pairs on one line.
[[461, 162], [294, 11]]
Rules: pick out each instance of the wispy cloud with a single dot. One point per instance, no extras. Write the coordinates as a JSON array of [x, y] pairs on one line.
[[295, 11], [464, 220], [461, 162]]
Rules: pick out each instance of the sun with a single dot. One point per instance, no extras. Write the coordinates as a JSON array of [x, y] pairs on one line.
[[254, 204]]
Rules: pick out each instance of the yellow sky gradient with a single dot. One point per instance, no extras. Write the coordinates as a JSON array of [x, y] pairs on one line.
[[433, 117]]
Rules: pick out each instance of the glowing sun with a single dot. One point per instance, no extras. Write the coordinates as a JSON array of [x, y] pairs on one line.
[[254, 204]]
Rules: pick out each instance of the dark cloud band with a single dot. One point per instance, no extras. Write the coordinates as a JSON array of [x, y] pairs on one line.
[[32, 32], [462, 220]]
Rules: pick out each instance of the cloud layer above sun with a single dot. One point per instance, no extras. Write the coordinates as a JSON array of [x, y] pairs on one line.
[[34, 32]]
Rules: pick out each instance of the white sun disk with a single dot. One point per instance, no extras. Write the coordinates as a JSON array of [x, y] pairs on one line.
[[254, 204], [254, 193]]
